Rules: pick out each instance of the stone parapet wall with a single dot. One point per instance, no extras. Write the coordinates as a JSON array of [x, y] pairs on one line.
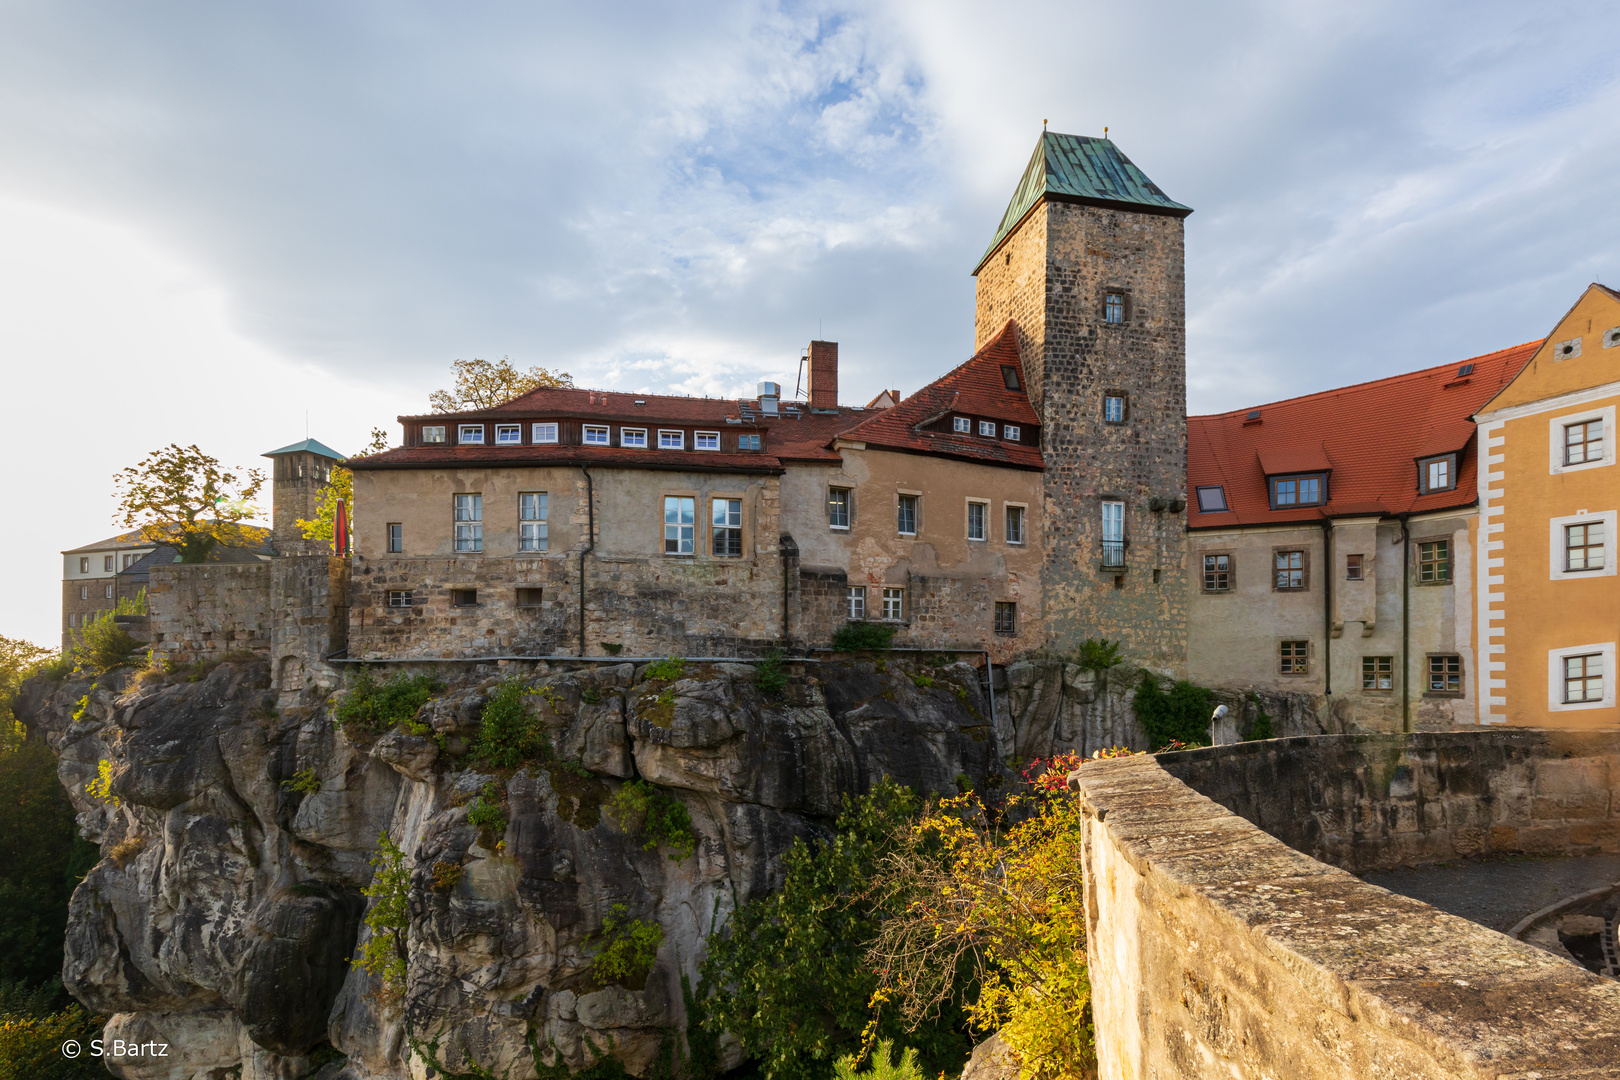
[[1217, 950], [204, 610], [1368, 802]]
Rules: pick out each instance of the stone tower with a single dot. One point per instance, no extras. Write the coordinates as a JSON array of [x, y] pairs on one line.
[[1088, 261], [302, 471]]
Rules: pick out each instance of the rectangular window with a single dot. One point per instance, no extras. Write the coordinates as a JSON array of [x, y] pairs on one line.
[[596, 435], [470, 434], [1114, 308], [1583, 442], [84, 564], [748, 442], [1434, 561], [1012, 432], [107, 563], [469, 523], [529, 598], [855, 600], [1015, 524], [1006, 617], [533, 530], [1445, 673], [838, 507], [1294, 658], [962, 424], [1437, 475], [1290, 571], [508, 434], [84, 592], [1212, 499], [433, 433], [1217, 573], [1352, 568], [1583, 546], [1296, 491], [1113, 533], [129, 559], [680, 525], [1583, 678], [987, 428], [727, 523], [1378, 673], [671, 440], [463, 597], [545, 432], [1113, 409], [977, 511], [894, 604], [396, 538], [706, 440], [906, 516], [107, 591], [399, 598], [633, 436]]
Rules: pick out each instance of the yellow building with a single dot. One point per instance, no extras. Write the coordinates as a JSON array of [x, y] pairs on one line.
[[1548, 497]]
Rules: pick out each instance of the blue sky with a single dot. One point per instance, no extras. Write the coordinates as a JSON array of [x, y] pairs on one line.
[[220, 218]]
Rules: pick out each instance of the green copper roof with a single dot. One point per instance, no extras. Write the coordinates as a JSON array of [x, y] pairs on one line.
[[308, 446], [1085, 169]]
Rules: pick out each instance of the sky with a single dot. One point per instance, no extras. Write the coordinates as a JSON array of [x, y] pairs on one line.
[[228, 225]]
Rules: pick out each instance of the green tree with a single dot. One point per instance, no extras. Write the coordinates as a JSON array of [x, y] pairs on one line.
[[324, 525], [19, 660], [1181, 716], [180, 496], [483, 385]]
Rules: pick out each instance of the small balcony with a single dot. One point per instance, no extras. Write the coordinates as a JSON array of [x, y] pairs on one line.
[[1113, 554]]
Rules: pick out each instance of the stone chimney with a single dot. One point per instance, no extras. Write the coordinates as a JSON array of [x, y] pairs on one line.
[[824, 374]]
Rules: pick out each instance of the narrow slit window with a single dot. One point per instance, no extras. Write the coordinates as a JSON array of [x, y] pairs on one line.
[[396, 538]]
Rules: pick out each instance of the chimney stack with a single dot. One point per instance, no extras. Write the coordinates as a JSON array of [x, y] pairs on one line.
[[824, 374]]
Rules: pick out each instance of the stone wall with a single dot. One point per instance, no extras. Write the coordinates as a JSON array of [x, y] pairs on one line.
[[205, 610], [1217, 950], [309, 608], [1368, 802]]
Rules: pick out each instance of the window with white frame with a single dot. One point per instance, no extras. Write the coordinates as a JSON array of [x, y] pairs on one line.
[[469, 522], [1579, 544], [470, 434], [1113, 408], [1113, 533], [633, 436], [987, 428], [544, 432], [1015, 524], [1580, 441], [894, 604], [1581, 677], [508, 434], [400, 598], [1438, 474], [855, 602], [977, 513], [962, 424], [1012, 432], [705, 440], [838, 507], [680, 525], [433, 433], [727, 528], [671, 440], [906, 515], [533, 530], [596, 435]]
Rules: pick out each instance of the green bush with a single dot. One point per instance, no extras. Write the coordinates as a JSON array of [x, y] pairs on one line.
[[508, 735], [303, 780], [884, 1065], [631, 947], [1261, 727], [668, 669], [102, 646], [1182, 715], [31, 1045], [373, 707], [485, 812], [859, 636], [768, 674], [641, 809], [1099, 654], [922, 682], [389, 917], [57, 667]]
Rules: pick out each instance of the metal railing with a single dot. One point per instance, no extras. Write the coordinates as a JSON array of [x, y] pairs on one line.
[[1113, 554]]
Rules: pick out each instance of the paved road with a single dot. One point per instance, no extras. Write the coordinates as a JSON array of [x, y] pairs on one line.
[[1499, 893]]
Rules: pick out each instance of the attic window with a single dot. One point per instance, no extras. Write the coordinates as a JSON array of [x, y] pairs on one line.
[[1567, 350], [1009, 376], [1253, 417], [1466, 369], [1288, 491], [1437, 474], [1212, 499], [962, 424]]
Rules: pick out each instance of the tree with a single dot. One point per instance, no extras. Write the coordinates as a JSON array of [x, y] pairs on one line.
[[181, 497], [483, 385], [324, 525], [19, 660]]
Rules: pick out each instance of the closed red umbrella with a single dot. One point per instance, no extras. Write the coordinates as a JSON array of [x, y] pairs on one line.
[[341, 533]]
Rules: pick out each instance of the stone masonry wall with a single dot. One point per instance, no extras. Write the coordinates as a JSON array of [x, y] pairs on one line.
[[1369, 802], [309, 610], [1214, 949], [434, 625], [204, 610]]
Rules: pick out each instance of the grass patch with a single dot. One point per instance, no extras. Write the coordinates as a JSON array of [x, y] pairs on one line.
[[125, 850], [668, 670], [374, 706]]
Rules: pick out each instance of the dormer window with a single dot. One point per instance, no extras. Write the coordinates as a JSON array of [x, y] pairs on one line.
[[1437, 474], [1290, 491], [633, 437], [748, 442], [962, 424], [433, 433], [705, 440], [596, 435], [1011, 432], [508, 434], [987, 428], [545, 432], [671, 440], [470, 434]]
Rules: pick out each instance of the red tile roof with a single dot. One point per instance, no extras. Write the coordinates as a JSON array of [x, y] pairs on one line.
[[444, 455], [1369, 435], [976, 389]]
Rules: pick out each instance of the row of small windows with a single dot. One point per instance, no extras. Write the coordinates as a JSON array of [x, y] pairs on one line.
[[1291, 567], [963, 425], [840, 514], [106, 591], [590, 435], [893, 609], [1444, 674], [108, 562]]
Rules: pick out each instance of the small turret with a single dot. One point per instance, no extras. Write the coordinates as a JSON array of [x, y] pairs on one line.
[[302, 471]]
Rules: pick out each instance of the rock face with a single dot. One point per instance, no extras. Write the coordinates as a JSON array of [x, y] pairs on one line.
[[227, 911]]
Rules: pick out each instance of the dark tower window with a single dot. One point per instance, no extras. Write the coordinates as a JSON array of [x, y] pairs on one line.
[[1114, 308]]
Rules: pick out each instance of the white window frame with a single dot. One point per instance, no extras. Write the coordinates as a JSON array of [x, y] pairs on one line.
[[987, 429], [469, 434], [962, 425], [1555, 545], [635, 437], [1555, 677], [474, 524], [699, 436], [434, 433], [916, 512], [685, 535], [596, 435], [676, 443], [1555, 439], [534, 530], [984, 520], [508, 434], [1012, 433], [849, 506], [855, 597], [895, 600], [1023, 523], [544, 431], [722, 522], [400, 598], [1109, 419]]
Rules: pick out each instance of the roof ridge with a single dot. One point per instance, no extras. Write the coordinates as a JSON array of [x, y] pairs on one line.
[[1420, 372]]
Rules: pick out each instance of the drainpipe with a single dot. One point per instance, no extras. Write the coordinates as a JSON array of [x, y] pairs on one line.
[[1406, 629], [1328, 570], [590, 543]]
